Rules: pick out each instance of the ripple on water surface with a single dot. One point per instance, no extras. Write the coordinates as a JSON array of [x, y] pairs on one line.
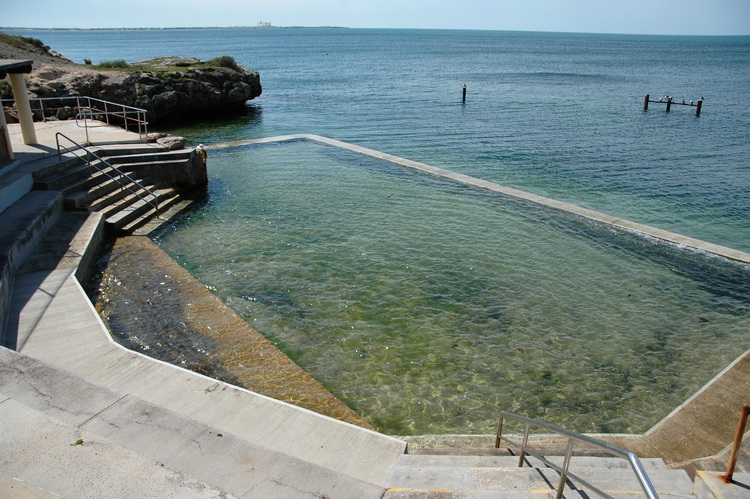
[[429, 305]]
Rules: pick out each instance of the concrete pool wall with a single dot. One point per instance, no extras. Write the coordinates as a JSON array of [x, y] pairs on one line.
[[664, 235]]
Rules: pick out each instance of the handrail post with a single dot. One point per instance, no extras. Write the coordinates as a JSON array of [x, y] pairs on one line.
[[573, 437], [524, 445], [564, 473], [499, 434], [737, 443]]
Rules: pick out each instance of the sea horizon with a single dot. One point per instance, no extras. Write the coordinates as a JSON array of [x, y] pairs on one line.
[[403, 29]]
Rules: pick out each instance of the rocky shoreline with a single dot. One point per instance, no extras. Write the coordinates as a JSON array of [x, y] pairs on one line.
[[168, 88]]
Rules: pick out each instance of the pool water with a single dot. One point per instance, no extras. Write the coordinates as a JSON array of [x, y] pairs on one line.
[[427, 305]]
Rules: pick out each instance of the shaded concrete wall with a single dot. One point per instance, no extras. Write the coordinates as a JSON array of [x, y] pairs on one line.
[[186, 178], [34, 219]]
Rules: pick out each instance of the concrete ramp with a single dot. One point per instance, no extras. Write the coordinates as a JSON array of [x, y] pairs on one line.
[[66, 435], [68, 334]]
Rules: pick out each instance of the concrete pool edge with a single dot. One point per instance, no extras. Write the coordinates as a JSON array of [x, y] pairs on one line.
[[670, 438], [620, 223]]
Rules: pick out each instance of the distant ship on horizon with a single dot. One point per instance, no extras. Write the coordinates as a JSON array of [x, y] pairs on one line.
[[264, 24]]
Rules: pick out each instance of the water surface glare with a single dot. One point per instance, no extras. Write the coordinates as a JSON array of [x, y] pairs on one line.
[[428, 305]]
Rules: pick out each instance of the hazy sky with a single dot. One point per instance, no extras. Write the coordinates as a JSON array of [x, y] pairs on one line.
[[690, 17]]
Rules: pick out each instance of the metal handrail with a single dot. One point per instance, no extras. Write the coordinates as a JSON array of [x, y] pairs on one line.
[[88, 107], [615, 450], [122, 175]]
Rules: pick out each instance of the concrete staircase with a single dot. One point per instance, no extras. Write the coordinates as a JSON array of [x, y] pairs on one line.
[[418, 476], [127, 201]]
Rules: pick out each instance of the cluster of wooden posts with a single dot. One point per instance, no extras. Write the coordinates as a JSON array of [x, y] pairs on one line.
[[666, 100], [670, 102]]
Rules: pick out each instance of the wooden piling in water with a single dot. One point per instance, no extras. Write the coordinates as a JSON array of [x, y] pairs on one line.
[[464, 96], [670, 101]]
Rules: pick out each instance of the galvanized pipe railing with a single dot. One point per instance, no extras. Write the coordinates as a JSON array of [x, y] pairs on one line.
[[86, 108], [119, 176], [130, 116], [565, 473]]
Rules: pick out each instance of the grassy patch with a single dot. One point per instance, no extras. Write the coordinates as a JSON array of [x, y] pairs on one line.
[[118, 64], [225, 61], [24, 43]]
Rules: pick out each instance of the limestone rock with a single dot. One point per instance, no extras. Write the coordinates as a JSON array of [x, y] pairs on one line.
[[176, 93], [166, 87], [172, 142]]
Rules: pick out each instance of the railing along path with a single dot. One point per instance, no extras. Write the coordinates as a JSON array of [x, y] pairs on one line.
[[89, 108], [119, 176], [572, 437]]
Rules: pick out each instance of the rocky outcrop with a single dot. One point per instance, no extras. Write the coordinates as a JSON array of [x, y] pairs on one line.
[[190, 89], [168, 88]]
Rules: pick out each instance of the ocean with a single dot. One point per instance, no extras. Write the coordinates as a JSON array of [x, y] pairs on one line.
[[427, 305]]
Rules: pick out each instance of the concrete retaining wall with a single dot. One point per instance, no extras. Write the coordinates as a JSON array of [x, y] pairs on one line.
[[22, 226]]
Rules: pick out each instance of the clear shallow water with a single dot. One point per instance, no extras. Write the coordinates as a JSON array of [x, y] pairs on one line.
[[429, 309], [428, 305]]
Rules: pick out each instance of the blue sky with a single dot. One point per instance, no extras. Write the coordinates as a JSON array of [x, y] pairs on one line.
[[688, 17]]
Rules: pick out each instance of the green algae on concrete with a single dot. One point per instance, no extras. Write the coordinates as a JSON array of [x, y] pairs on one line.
[[153, 305]]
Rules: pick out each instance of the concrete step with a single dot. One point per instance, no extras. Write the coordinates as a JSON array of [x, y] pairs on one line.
[[127, 149], [150, 157], [471, 482], [164, 218], [470, 475], [113, 203], [668, 483], [76, 177], [164, 206], [576, 462], [144, 166], [711, 485], [18, 179], [132, 207], [62, 179], [49, 167], [97, 196]]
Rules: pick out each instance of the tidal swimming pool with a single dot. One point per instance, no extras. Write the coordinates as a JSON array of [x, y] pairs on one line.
[[427, 305]]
